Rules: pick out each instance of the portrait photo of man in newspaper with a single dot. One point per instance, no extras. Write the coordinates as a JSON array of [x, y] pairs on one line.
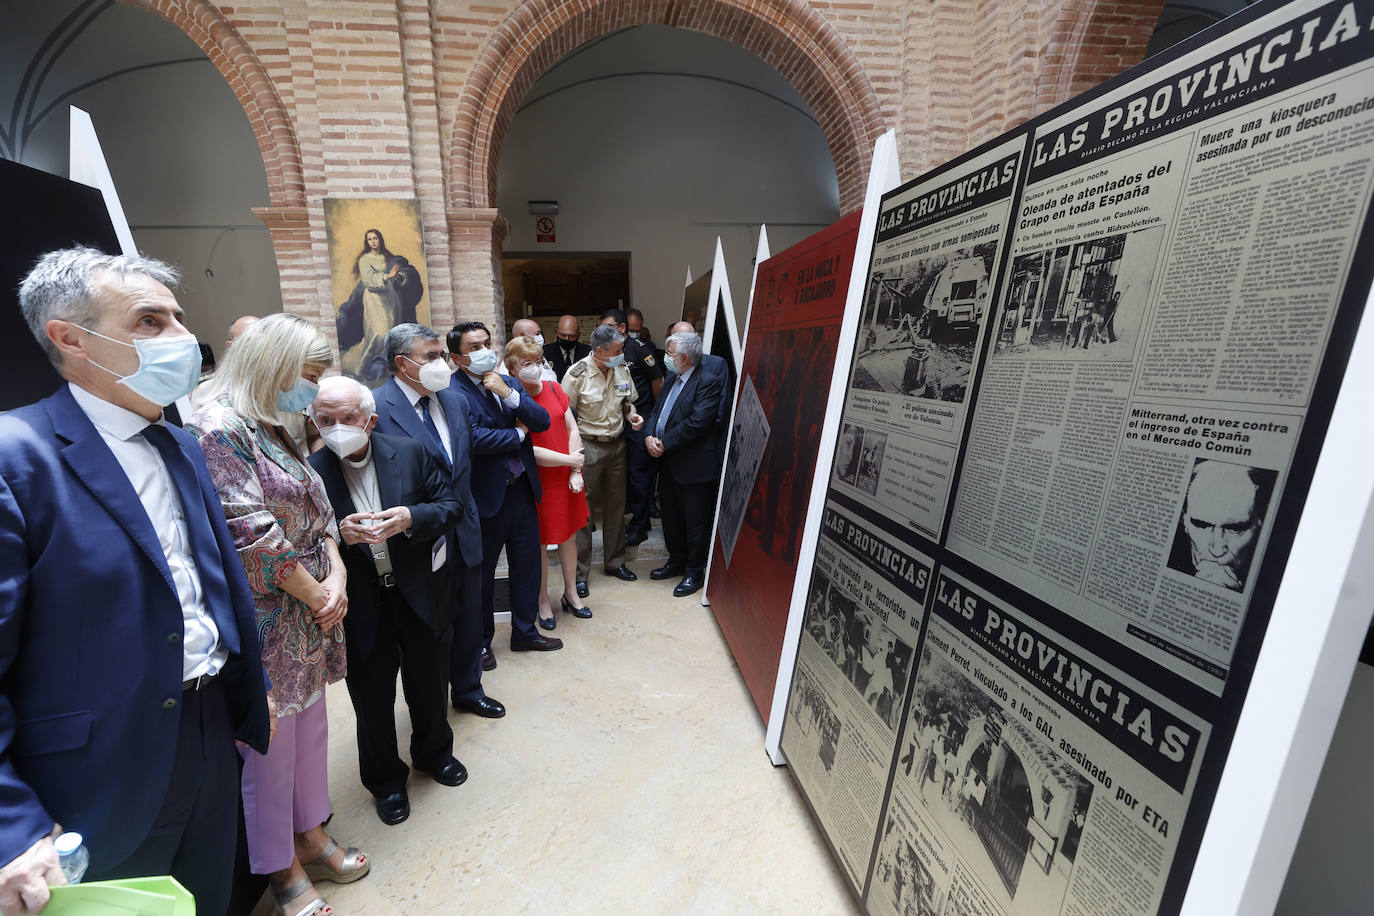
[[1223, 514]]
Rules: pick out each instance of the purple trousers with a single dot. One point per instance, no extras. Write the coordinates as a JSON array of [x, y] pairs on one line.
[[286, 790]]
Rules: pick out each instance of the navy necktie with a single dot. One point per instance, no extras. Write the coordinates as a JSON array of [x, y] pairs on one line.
[[435, 439], [514, 467], [204, 548]]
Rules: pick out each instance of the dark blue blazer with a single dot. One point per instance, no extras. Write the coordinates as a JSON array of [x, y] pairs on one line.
[[395, 417], [691, 441], [494, 437], [90, 638], [407, 475]]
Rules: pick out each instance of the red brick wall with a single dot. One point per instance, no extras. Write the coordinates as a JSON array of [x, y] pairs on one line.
[[412, 98]]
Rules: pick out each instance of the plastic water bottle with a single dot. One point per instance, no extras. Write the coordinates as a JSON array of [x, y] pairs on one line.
[[73, 856]]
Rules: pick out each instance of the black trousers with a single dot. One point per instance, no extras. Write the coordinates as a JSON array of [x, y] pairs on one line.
[[465, 654], [640, 478], [515, 526], [403, 643], [687, 510], [192, 837]]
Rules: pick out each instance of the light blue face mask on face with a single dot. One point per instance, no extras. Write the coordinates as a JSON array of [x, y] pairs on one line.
[[617, 360], [168, 367], [299, 397], [483, 361]]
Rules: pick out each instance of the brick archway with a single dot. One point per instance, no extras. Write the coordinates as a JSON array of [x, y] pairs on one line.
[[788, 34], [204, 24], [1093, 41]]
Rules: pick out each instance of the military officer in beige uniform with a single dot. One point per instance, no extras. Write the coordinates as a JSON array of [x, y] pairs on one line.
[[602, 395]]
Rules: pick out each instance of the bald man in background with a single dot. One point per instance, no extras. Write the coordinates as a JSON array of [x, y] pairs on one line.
[[567, 349]]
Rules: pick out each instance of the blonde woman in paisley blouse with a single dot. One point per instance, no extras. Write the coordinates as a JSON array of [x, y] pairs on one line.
[[287, 538]]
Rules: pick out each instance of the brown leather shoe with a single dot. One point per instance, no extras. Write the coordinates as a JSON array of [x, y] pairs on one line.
[[488, 660], [540, 643]]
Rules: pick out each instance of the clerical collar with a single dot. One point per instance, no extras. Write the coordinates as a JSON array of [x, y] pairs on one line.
[[367, 459]]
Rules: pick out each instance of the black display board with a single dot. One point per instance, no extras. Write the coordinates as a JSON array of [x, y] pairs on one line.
[[1097, 362], [45, 212]]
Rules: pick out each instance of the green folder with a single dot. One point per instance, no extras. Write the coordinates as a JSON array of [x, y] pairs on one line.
[[125, 897]]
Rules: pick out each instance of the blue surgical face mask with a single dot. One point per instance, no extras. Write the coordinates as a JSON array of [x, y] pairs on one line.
[[617, 360], [168, 367], [483, 361], [670, 364], [299, 397]]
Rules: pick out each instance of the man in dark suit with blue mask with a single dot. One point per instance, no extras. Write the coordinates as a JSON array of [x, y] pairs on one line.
[[418, 403], [129, 658], [505, 481], [684, 431]]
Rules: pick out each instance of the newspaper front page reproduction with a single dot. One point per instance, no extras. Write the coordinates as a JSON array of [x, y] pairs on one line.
[[1028, 770], [857, 651], [935, 261], [1181, 248], [1172, 287]]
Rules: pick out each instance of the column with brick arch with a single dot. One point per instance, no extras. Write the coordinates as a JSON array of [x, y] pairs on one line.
[[476, 236]]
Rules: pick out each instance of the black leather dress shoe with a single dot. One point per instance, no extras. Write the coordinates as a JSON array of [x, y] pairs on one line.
[[582, 590], [539, 643], [452, 773], [622, 572], [488, 660], [689, 585], [393, 808], [486, 707], [635, 538], [654, 510], [666, 571]]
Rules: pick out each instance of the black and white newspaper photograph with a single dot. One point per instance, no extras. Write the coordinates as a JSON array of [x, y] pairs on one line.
[[864, 609], [749, 433], [1037, 777], [1129, 482], [926, 312]]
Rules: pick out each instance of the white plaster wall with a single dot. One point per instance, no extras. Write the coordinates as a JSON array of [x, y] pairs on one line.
[[656, 149], [178, 144]]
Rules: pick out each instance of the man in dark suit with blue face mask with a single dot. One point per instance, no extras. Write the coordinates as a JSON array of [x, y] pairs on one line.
[[505, 481], [129, 658]]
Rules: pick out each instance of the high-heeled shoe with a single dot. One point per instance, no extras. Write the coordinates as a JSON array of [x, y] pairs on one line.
[[579, 612], [550, 621]]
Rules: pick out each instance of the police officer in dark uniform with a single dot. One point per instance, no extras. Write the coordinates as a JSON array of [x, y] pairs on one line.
[[647, 371]]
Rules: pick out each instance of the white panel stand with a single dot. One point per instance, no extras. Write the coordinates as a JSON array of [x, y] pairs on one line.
[[719, 298], [883, 176], [1304, 668]]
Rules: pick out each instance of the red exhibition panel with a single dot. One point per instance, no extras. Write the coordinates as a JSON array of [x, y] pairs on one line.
[[789, 356]]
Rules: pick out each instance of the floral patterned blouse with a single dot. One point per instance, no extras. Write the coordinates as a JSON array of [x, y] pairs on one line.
[[279, 516]]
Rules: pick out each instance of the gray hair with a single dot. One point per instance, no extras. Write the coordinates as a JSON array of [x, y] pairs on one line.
[[688, 342], [351, 386], [62, 286], [605, 335], [400, 340], [267, 359]]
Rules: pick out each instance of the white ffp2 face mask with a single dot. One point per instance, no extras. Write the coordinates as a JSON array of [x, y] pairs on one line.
[[344, 440], [434, 375]]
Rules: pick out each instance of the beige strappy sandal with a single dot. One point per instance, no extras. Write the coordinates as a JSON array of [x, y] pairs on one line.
[[355, 865]]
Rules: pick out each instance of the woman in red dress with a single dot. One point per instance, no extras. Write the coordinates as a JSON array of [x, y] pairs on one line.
[[558, 452]]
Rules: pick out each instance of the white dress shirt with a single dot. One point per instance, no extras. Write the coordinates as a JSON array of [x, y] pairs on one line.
[[202, 650], [436, 413]]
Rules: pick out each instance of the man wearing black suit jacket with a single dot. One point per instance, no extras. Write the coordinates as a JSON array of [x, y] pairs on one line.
[[505, 481], [418, 404], [567, 349], [683, 432], [396, 511]]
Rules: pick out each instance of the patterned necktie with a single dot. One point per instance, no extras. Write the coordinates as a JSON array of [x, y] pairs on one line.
[[209, 563], [435, 439], [514, 467]]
